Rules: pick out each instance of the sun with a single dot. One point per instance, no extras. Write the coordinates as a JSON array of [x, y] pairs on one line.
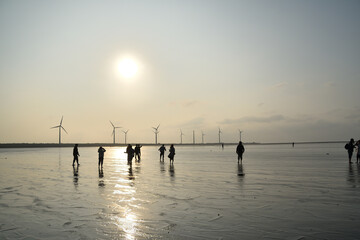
[[128, 68]]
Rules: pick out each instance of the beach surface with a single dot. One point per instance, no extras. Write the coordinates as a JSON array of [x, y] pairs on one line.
[[279, 192]]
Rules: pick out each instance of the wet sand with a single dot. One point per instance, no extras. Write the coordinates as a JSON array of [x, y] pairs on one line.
[[279, 192]]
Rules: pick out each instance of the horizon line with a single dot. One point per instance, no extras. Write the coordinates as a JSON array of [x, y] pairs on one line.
[[34, 145]]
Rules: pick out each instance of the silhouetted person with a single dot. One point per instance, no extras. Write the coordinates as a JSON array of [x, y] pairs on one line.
[[293, 144], [222, 146], [76, 155], [130, 152], [171, 153], [240, 150], [350, 148], [138, 152], [101, 152], [162, 150], [357, 144]]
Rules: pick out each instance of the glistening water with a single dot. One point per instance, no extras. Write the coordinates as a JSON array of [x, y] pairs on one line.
[[279, 192]]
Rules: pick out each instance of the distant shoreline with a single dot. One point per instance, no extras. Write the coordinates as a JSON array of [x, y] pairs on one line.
[[67, 145]]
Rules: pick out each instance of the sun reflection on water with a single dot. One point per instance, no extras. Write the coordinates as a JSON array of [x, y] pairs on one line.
[[124, 191]]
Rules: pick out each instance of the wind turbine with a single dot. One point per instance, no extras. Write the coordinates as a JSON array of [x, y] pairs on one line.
[[181, 134], [202, 137], [60, 127], [114, 132], [125, 134], [193, 137], [156, 132], [220, 132], [240, 134]]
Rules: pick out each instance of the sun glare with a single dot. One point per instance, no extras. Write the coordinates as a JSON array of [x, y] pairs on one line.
[[128, 68]]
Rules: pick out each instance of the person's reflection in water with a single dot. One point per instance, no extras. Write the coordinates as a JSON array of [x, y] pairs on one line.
[[358, 175], [162, 167], [172, 170], [354, 176], [131, 174], [101, 176], [137, 168], [351, 175], [76, 175], [240, 172]]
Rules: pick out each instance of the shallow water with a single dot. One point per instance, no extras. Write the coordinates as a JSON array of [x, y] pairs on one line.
[[279, 192]]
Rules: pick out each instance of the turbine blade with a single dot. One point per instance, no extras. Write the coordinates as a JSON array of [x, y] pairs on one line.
[[158, 126], [61, 120], [112, 124], [64, 129], [55, 127]]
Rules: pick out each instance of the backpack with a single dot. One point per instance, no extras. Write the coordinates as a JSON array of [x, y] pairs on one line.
[[347, 146]]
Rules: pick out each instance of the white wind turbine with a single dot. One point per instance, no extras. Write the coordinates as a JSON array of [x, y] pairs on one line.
[[125, 132], [181, 135], [220, 132], [156, 131], [60, 127], [240, 134], [114, 132]]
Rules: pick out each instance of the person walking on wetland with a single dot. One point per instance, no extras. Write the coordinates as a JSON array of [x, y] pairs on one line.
[[240, 149], [76, 155], [350, 148], [130, 152], [101, 152], [357, 144], [171, 153], [162, 150], [138, 152]]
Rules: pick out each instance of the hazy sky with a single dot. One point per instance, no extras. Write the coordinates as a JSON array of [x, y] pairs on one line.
[[278, 70]]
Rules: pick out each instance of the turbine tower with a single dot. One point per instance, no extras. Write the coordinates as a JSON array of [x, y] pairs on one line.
[[220, 135], [181, 134], [125, 132], [60, 127], [156, 131], [202, 137], [193, 137], [114, 132], [240, 134]]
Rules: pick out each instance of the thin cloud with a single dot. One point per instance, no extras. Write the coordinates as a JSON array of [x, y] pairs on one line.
[[280, 85], [193, 123], [273, 118], [190, 103], [185, 103]]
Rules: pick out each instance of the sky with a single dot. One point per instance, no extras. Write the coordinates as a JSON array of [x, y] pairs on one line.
[[279, 71]]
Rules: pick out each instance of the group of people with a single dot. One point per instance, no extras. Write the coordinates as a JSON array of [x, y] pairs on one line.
[[171, 155], [131, 152], [240, 149], [350, 146]]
